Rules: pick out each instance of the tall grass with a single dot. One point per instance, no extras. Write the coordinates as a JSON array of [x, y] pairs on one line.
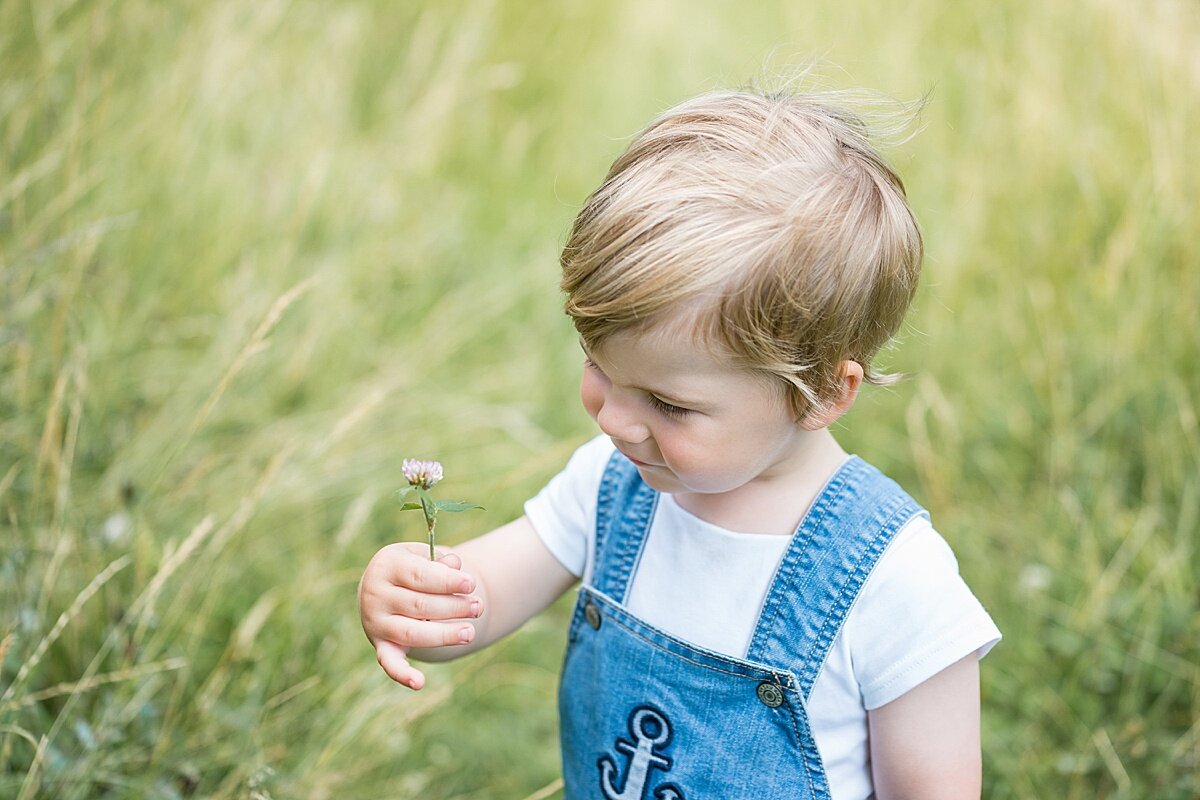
[[252, 255]]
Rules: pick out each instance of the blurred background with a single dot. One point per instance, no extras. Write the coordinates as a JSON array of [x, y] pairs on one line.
[[254, 254]]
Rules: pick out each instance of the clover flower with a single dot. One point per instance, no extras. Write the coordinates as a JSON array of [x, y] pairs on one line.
[[421, 473], [421, 477]]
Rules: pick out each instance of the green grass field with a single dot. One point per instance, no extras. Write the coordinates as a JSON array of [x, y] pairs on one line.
[[254, 254]]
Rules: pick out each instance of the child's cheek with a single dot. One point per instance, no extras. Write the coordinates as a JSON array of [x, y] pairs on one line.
[[591, 393], [683, 458], [705, 465]]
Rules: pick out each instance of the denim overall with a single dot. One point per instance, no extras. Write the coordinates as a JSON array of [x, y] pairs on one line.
[[646, 715]]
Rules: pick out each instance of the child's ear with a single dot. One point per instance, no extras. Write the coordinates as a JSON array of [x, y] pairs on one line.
[[851, 376]]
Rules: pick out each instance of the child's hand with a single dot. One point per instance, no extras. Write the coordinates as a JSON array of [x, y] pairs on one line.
[[403, 598]]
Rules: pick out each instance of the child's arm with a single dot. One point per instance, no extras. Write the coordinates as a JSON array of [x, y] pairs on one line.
[[467, 599], [925, 743]]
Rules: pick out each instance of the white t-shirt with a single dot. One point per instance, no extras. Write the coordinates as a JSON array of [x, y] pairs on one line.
[[913, 618]]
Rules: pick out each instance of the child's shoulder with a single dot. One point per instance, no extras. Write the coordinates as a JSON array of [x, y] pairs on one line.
[[915, 616], [869, 471]]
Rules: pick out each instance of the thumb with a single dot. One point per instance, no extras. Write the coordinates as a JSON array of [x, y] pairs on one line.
[[450, 559]]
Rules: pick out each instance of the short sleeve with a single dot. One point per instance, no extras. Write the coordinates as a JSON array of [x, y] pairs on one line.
[[564, 512], [914, 617]]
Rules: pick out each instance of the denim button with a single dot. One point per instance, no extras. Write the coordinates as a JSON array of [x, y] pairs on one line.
[[592, 615], [770, 694]]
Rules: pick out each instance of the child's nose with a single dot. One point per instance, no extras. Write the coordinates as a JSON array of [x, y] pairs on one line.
[[619, 421]]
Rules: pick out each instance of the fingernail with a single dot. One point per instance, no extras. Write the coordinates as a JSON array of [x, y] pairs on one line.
[[476, 607], [467, 586], [466, 634]]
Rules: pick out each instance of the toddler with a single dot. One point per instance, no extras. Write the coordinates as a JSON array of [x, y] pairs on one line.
[[761, 615]]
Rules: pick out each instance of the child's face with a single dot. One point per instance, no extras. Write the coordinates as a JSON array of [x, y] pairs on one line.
[[688, 420]]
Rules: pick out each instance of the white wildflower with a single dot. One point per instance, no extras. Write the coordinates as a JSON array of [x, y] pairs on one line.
[[421, 473], [1034, 578]]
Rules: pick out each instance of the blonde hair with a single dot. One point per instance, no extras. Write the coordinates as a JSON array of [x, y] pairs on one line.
[[771, 215]]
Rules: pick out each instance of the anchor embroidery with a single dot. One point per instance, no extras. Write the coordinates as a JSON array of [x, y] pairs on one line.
[[650, 730]]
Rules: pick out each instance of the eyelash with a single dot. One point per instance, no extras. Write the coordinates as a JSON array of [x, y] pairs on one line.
[[659, 405], [666, 408]]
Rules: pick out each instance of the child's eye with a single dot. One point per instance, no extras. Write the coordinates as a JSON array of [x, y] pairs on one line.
[[667, 408]]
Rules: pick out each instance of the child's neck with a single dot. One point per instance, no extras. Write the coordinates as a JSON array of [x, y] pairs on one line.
[[772, 503]]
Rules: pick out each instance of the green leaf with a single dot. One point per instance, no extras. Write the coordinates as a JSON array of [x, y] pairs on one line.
[[457, 505], [410, 506], [404, 492], [427, 505], [426, 500]]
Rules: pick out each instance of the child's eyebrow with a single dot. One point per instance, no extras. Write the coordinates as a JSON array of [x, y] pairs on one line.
[[666, 397]]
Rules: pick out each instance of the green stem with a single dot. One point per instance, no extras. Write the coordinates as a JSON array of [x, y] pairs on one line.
[[432, 525]]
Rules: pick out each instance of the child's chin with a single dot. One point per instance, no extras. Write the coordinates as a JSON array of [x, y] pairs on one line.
[[659, 479]]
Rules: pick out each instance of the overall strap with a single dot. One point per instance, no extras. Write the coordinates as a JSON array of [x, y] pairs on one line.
[[834, 550], [624, 507]]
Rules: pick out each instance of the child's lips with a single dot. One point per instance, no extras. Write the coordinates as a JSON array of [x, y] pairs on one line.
[[636, 462]]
